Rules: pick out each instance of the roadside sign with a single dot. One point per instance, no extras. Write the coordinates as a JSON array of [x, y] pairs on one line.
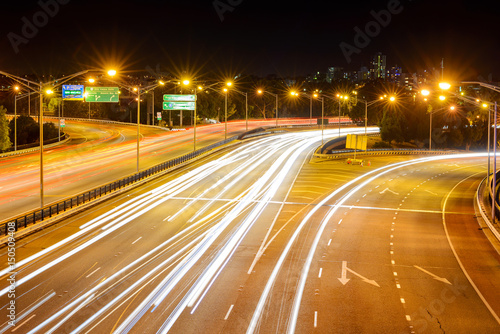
[[63, 123], [72, 92], [179, 97], [179, 105], [102, 94], [356, 142], [158, 115]]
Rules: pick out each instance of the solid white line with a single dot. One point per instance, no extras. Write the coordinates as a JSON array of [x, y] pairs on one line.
[[320, 271], [315, 319], [456, 255], [137, 240], [228, 312], [92, 273], [329, 242]]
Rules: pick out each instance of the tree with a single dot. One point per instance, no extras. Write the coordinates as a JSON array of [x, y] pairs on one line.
[[5, 142], [27, 130], [391, 126]]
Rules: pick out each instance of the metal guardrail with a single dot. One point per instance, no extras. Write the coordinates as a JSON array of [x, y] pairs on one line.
[[46, 145], [49, 211], [371, 152], [482, 209]]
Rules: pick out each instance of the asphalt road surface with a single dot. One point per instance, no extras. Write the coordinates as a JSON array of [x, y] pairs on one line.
[[262, 238]]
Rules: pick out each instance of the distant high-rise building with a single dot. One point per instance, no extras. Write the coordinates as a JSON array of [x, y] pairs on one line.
[[334, 73], [378, 66], [363, 74], [394, 74]]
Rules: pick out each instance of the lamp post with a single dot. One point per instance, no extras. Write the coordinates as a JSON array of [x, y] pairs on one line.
[[245, 94], [138, 91], [41, 87], [260, 91], [367, 104], [446, 86]]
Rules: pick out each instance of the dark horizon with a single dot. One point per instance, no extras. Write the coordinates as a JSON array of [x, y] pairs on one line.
[[250, 37]]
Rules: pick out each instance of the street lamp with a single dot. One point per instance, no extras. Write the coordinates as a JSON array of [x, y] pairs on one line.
[[451, 108], [137, 90], [310, 96], [260, 91], [340, 98], [18, 91], [445, 86], [41, 88], [369, 103]]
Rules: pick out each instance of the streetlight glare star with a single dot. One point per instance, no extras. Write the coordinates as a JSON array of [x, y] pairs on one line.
[[444, 85], [112, 73]]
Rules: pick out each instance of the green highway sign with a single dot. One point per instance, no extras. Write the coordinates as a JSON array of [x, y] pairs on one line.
[[178, 105], [179, 97], [102, 94]]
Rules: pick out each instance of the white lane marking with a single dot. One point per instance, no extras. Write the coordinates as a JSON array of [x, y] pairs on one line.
[[25, 321], [340, 221], [166, 218], [398, 286], [493, 313], [408, 317], [329, 242], [441, 279], [315, 319], [229, 312], [92, 273], [320, 271], [137, 240], [430, 192], [403, 300], [389, 190]]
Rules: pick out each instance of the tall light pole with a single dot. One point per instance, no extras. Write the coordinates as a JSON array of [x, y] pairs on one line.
[[41, 87], [260, 91], [245, 94], [367, 104], [196, 89], [138, 92], [225, 113], [340, 98], [446, 86]]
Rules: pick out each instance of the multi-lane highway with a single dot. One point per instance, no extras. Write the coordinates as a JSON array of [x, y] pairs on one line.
[[263, 239], [98, 153]]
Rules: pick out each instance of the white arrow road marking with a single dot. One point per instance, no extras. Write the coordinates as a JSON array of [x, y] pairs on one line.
[[441, 279], [430, 192], [389, 190], [344, 279]]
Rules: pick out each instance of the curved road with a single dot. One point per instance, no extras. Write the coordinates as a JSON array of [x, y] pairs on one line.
[[264, 239], [98, 153]]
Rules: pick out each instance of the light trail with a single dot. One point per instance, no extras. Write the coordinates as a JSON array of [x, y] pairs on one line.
[[298, 297]]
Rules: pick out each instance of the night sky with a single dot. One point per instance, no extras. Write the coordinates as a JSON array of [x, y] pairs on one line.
[[254, 37]]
